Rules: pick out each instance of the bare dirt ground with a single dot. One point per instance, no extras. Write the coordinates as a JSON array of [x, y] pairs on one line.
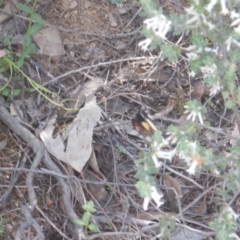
[[101, 57]]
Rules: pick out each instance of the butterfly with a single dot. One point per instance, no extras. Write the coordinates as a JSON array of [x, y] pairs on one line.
[[142, 123]]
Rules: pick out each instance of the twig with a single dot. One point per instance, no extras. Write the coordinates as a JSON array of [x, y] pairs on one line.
[[52, 224], [5, 196], [183, 176], [30, 221], [93, 66]]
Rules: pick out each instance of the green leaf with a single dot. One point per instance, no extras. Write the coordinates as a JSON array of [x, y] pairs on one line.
[[79, 221], [37, 18], [171, 52], [20, 62], [16, 92], [34, 28], [148, 6], [27, 40], [29, 49], [86, 218], [235, 55], [24, 8], [6, 92], [230, 104], [93, 228], [89, 207], [196, 64], [144, 189]]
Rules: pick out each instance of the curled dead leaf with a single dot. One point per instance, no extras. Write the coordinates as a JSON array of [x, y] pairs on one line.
[[202, 210], [174, 191]]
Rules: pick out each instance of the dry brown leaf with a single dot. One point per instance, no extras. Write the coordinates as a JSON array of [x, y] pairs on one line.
[[81, 93], [49, 42], [93, 162], [202, 210], [9, 7], [198, 90], [78, 137], [171, 182]]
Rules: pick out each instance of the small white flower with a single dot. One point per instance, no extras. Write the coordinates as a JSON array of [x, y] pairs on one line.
[[192, 74], [210, 25], [159, 24], [146, 202], [234, 15], [237, 29], [191, 157], [192, 115], [228, 43], [209, 70], [171, 138], [230, 40], [211, 5], [166, 154], [155, 196], [192, 55], [237, 21], [207, 49], [145, 44], [234, 235], [215, 89], [192, 167], [236, 42], [216, 172], [231, 213], [195, 16], [224, 11], [157, 163]]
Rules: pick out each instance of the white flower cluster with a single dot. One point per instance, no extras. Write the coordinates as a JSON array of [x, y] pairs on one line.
[[160, 25], [193, 114], [190, 155], [195, 19], [212, 3], [193, 53], [156, 196], [235, 17], [211, 71], [229, 215]]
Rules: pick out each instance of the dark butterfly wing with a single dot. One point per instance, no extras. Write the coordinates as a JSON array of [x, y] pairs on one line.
[[143, 124]]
